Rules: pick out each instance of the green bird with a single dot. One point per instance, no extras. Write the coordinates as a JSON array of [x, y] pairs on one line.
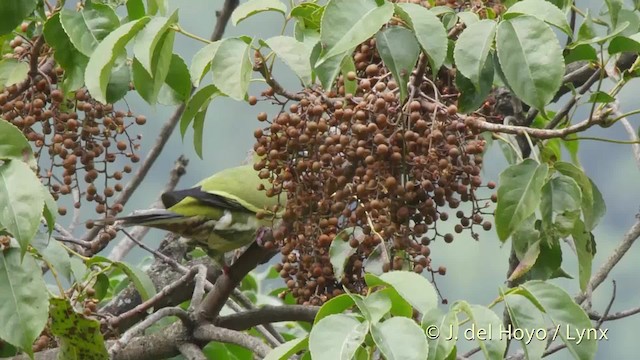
[[219, 213]]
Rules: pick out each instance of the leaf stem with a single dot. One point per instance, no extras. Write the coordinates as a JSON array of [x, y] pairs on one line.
[[182, 31]]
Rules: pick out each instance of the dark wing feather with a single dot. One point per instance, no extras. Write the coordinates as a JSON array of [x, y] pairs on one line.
[[171, 198]]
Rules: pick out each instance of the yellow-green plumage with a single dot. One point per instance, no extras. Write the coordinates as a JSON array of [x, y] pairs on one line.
[[219, 213]]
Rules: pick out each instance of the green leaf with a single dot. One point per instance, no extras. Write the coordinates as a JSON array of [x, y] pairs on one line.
[[593, 206], [253, 7], [102, 60], [531, 59], [399, 306], [295, 54], [585, 249], [157, 6], [399, 50], [601, 97], [345, 24], [518, 195], [231, 68], [441, 330], [154, 35], [560, 195], [12, 13], [24, 299], [12, 71], [350, 86], [119, 80], [66, 55], [414, 288], [525, 236], [135, 9], [573, 146], [614, 7], [148, 84], [429, 31], [568, 317], [400, 338], [177, 86], [543, 10], [86, 28], [309, 14], [472, 97], [56, 255], [198, 129], [22, 201], [378, 304], [79, 337], [13, 144], [601, 39], [336, 337], [468, 17], [632, 18], [78, 268], [549, 261], [198, 101], [527, 261], [528, 324], [472, 49], [329, 69], [140, 280], [288, 349], [580, 52], [335, 305], [340, 250], [50, 210], [625, 44], [201, 62], [586, 31], [482, 318], [101, 286]]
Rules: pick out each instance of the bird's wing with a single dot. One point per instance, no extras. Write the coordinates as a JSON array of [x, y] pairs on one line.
[[171, 198], [240, 185]]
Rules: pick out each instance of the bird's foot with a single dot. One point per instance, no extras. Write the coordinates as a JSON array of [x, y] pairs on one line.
[[261, 236], [226, 269]]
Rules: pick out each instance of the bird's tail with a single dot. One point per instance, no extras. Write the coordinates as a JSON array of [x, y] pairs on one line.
[[151, 217]]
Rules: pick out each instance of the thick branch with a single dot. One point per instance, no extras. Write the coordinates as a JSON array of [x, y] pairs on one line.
[[213, 333], [266, 315], [223, 287]]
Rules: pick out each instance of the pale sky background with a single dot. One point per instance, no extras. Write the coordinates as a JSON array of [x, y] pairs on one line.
[[475, 269]]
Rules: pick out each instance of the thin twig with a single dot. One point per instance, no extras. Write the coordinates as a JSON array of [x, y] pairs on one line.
[[125, 245], [146, 305]]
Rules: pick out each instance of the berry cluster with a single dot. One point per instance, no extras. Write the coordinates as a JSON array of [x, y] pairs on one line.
[[393, 170], [76, 139]]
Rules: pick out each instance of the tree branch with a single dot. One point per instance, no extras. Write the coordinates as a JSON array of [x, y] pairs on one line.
[[213, 333], [266, 315], [226, 283], [627, 241], [191, 351], [482, 125]]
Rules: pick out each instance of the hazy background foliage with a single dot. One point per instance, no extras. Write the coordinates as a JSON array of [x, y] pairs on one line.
[[474, 269]]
